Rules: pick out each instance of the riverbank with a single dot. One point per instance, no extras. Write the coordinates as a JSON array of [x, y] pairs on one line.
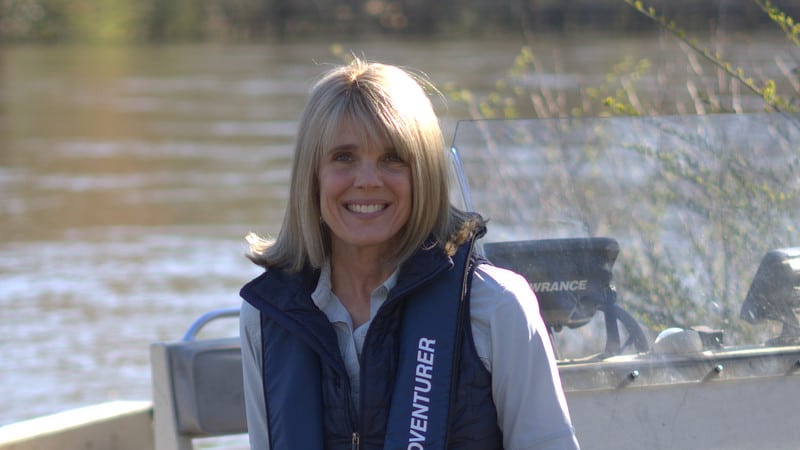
[[259, 20]]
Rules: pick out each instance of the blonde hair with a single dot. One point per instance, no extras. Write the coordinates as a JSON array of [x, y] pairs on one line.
[[382, 101]]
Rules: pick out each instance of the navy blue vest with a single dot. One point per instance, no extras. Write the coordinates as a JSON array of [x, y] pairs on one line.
[[306, 384]]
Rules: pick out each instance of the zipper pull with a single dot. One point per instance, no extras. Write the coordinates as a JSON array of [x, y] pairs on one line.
[[356, 441]]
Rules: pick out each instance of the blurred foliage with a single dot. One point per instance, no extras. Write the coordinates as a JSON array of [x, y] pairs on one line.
[[766, 90], [169, 20], [52, 20], [713, 85]]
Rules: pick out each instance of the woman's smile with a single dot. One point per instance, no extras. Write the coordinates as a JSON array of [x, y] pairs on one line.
[[360, 208]]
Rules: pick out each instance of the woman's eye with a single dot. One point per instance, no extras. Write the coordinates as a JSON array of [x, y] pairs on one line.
[[394, 158], [342, 157]]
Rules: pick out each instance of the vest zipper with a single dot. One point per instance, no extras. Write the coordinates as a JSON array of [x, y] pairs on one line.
[[356, 443]]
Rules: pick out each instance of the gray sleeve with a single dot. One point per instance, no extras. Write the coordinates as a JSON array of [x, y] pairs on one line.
[[252, 364], [526, 386]]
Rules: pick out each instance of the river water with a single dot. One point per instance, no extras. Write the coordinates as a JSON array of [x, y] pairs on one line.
[[129, 176]]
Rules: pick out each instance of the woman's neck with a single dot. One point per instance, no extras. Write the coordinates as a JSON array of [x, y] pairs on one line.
[[353, 280]]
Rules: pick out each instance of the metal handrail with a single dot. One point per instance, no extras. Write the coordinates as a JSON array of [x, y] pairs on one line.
[[203, 320]]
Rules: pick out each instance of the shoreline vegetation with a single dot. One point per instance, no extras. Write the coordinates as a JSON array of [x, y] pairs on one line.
[[157, 21]]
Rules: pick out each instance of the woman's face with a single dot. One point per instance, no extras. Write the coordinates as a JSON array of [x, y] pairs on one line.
[[365, 192]]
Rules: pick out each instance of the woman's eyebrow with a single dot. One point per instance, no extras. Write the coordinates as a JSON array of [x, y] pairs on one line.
[[343, 147]]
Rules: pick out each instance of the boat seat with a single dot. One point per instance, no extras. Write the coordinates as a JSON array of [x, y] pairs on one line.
[[197, 387]]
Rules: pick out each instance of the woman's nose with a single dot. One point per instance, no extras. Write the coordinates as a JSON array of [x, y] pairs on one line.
[[368, 174]]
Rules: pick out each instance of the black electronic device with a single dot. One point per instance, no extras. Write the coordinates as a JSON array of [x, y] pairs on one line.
[[571, 277], [572, 281]]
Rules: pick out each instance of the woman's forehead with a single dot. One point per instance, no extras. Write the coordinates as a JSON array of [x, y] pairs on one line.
[[357, 131]]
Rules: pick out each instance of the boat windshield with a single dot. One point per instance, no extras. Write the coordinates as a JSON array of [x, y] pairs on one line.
[[644, 237]]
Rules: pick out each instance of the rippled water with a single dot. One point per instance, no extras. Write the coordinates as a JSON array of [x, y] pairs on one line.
[[129, 176]]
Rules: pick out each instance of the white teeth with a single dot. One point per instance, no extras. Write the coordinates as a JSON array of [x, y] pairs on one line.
[[365, 209]]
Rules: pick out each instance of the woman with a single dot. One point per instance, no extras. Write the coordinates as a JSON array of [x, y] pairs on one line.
[[374, 324]]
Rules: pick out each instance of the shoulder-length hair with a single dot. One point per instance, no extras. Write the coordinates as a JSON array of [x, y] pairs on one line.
[[383, 102]]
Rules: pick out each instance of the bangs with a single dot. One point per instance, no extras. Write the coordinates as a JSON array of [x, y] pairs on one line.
[[370, 127]]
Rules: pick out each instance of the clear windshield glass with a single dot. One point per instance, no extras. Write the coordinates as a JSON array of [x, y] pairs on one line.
[[683, 230]]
